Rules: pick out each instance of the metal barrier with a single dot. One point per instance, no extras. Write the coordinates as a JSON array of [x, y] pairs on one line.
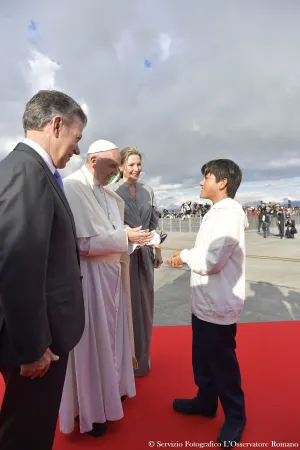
[[192, 224]]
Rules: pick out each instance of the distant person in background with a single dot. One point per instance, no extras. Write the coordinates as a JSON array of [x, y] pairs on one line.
[[188, 210], [217, 264], [140, 210], [290, 228], [266, 221], [280, 223], [261, 211]]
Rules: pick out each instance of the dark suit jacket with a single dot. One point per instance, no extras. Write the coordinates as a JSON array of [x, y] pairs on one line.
[[41, 300]]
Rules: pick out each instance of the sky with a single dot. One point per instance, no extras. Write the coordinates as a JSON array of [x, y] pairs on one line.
[[186, 82]]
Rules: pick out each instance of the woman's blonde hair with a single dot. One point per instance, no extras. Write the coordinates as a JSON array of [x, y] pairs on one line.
[[125, 153], [129, 151]]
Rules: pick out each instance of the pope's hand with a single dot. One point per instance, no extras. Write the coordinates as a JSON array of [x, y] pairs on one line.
[[40, 367], [139, 236], [175, 261]]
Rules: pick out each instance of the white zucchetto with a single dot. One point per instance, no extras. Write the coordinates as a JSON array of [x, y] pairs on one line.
[[101, 146]]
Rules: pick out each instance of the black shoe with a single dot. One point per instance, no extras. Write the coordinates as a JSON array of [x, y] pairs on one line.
[[231, 433], [191, 406], [98, 430]]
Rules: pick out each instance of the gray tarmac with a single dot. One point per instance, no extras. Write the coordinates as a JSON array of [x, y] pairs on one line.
[[272, 281]]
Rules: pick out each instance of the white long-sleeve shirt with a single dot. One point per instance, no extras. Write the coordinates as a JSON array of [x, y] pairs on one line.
[[217, 264]]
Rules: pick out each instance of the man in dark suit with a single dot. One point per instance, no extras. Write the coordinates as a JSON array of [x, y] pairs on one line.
[[41, 301]]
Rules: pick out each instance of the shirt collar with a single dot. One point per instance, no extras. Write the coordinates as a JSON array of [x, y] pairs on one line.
[[46, 157], [223, 203], [91, 179]]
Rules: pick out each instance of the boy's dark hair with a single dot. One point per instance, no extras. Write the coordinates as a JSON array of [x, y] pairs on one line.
[[225, 168]]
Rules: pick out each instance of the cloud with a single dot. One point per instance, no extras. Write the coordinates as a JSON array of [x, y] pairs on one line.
[[284, 163], [85, 107], [7, 143], [164, 41], [212, 91], [169, 187], [42, 72], [38, 72]]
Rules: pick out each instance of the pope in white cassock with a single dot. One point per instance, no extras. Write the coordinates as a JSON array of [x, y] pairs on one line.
[[100, 368]]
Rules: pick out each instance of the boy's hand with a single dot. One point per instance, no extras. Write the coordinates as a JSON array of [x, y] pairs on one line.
[[175, 261]]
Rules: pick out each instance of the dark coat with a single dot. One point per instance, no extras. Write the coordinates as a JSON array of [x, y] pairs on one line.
[[41, 300]]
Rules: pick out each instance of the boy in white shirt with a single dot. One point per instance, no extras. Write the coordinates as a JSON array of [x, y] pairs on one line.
[[217, 264]]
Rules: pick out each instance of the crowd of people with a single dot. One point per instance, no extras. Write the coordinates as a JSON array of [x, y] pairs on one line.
[[186, 211], [266, 213], [77, 262], [275, 214], [288, 210]]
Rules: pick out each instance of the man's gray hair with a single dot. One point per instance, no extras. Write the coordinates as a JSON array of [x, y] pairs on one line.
[[45, 105]]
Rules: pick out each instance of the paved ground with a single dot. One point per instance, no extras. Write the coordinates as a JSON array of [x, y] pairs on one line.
[[272, 287]]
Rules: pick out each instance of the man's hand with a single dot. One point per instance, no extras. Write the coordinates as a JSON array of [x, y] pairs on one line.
[[38, 368], [139, 236], [175, 261]]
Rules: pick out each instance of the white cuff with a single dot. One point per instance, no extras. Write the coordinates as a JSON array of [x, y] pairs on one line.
[[156, 239], [184, 255]]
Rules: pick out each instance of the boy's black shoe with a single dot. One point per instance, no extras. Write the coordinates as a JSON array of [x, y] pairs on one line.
[[191, 406], [231, 433]]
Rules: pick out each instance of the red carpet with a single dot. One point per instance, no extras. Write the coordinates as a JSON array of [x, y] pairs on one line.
[[269, 356]]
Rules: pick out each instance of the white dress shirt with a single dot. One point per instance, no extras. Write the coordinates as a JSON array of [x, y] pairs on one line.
[[217, 263], [46, 157]]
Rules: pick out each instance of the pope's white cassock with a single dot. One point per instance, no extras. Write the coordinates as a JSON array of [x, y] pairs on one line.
[[100, 368]]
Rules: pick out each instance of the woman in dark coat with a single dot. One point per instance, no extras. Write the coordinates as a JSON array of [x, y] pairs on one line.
[[140, 210]]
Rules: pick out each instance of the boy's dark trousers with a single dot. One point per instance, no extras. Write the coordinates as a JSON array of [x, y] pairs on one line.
[[216, 369]]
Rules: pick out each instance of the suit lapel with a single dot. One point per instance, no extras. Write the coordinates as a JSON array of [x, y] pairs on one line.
[[27, 149]]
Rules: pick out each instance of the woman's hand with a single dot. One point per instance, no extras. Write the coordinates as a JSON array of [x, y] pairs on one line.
[[158, 258]]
